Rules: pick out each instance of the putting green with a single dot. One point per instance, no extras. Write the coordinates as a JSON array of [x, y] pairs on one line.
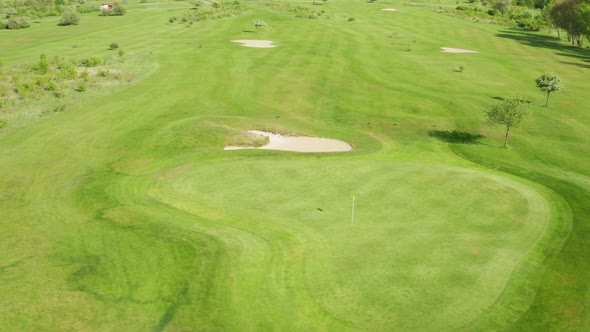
[[124, 213], [399, 261]]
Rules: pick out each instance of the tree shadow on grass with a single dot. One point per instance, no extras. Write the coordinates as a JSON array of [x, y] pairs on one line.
[[454, 136], [536, 39], [502, 99]]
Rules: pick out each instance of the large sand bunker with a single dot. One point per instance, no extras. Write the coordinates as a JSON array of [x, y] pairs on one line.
[[456, 50], [297, 144], [389, 10], [255, 43]]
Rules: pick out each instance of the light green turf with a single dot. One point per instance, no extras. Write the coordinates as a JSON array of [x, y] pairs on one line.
[[124, 213]]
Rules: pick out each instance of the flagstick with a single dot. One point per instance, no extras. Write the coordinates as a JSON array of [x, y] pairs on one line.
[[352, 219]]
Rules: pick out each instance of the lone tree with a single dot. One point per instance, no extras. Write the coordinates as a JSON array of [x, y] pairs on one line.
[[258, 24], [510, 112], [550, 83], [70, 17]]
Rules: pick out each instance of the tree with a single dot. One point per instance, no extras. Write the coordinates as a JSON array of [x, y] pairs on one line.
[[510, 113], [503, 6], [119, 10], [70, 17], [258, 24], [550, 83], [571, 16]]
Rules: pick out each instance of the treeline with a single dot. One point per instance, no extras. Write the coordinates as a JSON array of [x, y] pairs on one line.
[[573, 17], [41, 8], [569, 16]]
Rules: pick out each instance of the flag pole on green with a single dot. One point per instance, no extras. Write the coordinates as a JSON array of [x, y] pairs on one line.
[[352, 218]]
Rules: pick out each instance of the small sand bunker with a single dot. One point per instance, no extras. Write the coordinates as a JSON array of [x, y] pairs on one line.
[[456, 50], [255, 43], [389, 10], [297, 144]]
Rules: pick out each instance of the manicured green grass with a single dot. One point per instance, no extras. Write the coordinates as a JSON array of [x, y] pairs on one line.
[[125, 213]]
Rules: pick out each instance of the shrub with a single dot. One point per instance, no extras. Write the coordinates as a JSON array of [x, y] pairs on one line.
[[25, 89], [103, 73], [113, 46], [10, 12], [119, 11], [67, 71], [3, 123], [84, 75], [51, 86], [42, 67], [121, 53], [82, 86], [15, 22], [258, 24], [89, 8], [92, 61], [70, 17], [351, 19]]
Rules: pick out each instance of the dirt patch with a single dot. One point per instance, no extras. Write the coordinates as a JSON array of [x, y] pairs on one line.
[[255, 43], [456, 50], [297, 144], [389, 10]]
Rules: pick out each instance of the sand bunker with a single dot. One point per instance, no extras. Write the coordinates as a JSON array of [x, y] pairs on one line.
[[456, 50], [255, 43], [297, 144], [389, 10]]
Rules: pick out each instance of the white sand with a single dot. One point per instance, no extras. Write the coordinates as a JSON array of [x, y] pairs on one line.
[[389, 10], [255, 43], [297, 144], [456, 50]]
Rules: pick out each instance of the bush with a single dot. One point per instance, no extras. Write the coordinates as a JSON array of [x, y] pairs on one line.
[[119, 11], [113, 46], [15, 22], [42, 67], [10, 12], [92, 61], [88, 8], [3, 123], [70, 17], [67, 71], [82, 86], [351, 19]]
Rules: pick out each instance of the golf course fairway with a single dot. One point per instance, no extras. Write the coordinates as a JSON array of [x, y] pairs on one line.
[[120, 210]]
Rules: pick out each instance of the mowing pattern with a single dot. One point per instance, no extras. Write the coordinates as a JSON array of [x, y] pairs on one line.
[[124, 213]]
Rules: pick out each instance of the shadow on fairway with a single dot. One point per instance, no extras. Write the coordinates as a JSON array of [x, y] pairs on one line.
[[455, 136], [502, 99], [549, 42]]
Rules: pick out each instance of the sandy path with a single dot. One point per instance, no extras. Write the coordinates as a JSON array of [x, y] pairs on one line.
[[297, 144], [456, 50], [255, 43]]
